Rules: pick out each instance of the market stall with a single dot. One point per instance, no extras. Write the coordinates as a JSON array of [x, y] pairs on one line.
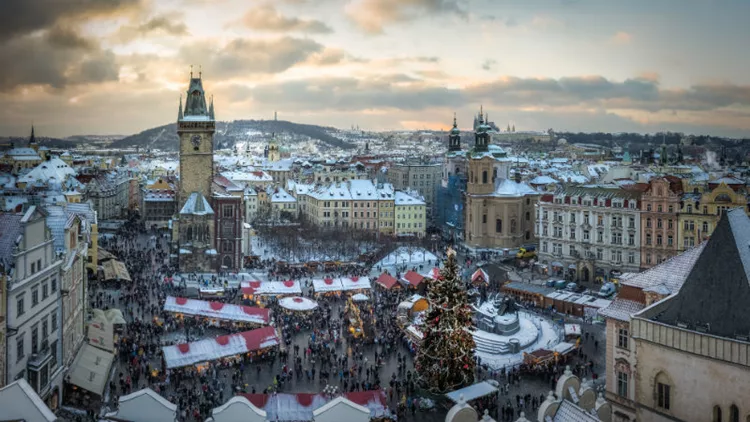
[[251, 289], [301, 406], [408, 310], [217, 310], [298, 304], [412, 280], [387, 281], [327, 286], [355, 283], [231, 346], [359, 297], [480, 277]]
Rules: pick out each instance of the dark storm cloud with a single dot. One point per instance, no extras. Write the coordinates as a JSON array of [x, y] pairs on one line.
[[248, 56], [398, 91], [267, 18], [24, 16], [55, 59]]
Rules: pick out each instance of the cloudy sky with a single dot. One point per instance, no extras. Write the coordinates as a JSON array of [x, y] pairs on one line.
[[119, 66]]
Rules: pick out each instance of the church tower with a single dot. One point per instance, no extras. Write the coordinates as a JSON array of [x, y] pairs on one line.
[[454, 138], [482, 173], [195, 127]]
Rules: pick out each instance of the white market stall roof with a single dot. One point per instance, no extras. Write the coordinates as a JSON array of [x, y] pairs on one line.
[[301, 406], [563, 347], [115, 270], [216, 348], [572, 330], [216, 310], [341, 409], [298, 303], [355, 283], [359, 297], [472, 392], [144, 406], [90, 369], [271, 288], [327, 285], [415, 332], [238, 408], [341, 284]]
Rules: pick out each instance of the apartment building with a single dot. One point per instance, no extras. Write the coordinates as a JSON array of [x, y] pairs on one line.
[[32, 270], [660, 207], [411, 215], [586, 233], [421, 177], [701, 209]]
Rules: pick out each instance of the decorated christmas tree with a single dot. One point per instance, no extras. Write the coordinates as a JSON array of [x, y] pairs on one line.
[[445, 360]]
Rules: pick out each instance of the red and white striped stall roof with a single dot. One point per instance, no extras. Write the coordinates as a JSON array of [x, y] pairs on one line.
[[300, 406], [216, 310], [220, 347]]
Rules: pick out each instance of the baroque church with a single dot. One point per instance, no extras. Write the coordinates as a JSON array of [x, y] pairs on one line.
[[499, 211], [207, 230]]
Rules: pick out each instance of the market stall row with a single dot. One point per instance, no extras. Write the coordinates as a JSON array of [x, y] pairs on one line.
[[206, 350], [331, 285], [218, 310], [270, 288]]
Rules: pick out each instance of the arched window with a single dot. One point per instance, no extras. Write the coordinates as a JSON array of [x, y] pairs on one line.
[[663, 391], [494, 174], [227, 262], [512, 226], [484, 176], [471, 176], [207, 233], [734, 413], [717, 414], [190, 233]]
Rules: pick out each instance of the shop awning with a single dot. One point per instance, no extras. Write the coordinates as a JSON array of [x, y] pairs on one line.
[[355, 283], [556, 264], [572, 330], [115, 270], [90, 369], [412, 278], [216, 310], [480, 275], [216, 348], [298, 303]]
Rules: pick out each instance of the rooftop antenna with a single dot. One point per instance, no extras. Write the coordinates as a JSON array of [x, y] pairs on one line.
[[191, 71], [200, 71]]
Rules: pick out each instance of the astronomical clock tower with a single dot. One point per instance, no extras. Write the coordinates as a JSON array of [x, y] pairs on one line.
[[194, 226]]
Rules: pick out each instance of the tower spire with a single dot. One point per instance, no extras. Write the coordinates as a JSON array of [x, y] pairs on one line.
[[32, 138], [179, 109], [455, 125], [211, 108], [191, 71]]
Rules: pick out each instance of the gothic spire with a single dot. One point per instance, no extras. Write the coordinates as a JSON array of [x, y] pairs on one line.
[[211, 109], [179, 109], [32, 138]]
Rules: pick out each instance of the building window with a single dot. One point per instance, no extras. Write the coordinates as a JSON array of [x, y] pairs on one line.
[[600, 254], [648, 207], [53, 285], [34, 297], [498, 226], [34, 340], [648, 223], [484, 176], [631, 258], [53, 320], [669, 240], [717, 414], [228, 211], [622, 338], [528, 216], [20, 306], [648, 238], [484, 218], [663, 396], [658, 240], [659, 223], [705, 227], [544, 246], [622, 384], [19, 348], [734, 413], [45, 291]]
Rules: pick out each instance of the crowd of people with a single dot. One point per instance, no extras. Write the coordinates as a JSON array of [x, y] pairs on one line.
[[318, 350]]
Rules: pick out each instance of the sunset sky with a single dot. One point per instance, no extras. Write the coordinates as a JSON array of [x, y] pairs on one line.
[[119, 66]]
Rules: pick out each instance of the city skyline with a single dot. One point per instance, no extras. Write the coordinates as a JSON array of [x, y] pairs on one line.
[[118, 67]]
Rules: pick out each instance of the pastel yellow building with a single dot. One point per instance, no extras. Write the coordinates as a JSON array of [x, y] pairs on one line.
[[411, 217], [700, 212]]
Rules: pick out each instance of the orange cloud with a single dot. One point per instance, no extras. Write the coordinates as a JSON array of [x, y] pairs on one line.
[[622, 37]]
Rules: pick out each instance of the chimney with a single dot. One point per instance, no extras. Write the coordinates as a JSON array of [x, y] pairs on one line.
[[517, 177]]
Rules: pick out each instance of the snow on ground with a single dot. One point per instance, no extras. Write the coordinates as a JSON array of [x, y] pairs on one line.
[[550, 336], [526, 335], [408, 256], [299, 255]]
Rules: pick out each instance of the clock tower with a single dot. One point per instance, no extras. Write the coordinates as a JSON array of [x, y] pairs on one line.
[[195, 127], [194, 234]]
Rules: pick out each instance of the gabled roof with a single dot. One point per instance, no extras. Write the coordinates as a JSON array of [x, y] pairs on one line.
[[20, 402], [716, 293], [196, 204], [10, 229]]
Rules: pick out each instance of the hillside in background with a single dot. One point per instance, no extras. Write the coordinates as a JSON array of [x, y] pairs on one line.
[[228, 133]]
